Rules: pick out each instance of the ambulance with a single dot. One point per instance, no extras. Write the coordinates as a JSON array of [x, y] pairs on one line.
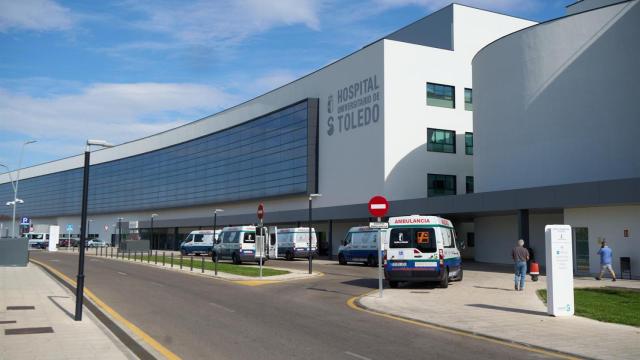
[[290, 243], [240, 244], [422, 248], [361, 245], [199, 242]]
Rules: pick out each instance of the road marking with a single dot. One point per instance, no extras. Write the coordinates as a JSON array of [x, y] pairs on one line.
[[106, 308], [357, 356], [256, 282], [221, 307], [157, 284], [352, 304], [55, 260], [121, 273]]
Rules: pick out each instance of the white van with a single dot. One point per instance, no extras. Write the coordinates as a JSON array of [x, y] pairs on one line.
[[199, 242], [240, 243], [37, 239], [291, 243], [422, 248], [361, 245]]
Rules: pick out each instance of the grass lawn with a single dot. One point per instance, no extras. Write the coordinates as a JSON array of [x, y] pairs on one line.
[[620, 306], [208, 265]]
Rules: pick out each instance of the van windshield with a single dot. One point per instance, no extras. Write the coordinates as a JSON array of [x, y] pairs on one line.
[[423, 239]]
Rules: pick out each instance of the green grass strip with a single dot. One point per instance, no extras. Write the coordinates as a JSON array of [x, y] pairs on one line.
[[224, 267], [620, 306]]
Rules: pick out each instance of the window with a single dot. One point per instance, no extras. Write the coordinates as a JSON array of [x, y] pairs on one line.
[[441, 185], [469, 185], [198, 238], [441, 95], [468, 143], [441, 140], [471, 239], [423, 239], [249, 237], [447, 238], [468, 99]]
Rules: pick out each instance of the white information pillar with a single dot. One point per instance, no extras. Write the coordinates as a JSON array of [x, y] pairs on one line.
[[558, 244], [54, 237]]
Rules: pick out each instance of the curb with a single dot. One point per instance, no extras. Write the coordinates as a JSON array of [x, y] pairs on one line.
[[137, 347], [355, 304]]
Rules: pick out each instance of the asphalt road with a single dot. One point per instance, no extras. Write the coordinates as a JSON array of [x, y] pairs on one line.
[[198, 317]]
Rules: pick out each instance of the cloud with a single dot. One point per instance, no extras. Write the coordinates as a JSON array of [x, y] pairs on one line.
[[37, 15], [221, 23], [117, 112]]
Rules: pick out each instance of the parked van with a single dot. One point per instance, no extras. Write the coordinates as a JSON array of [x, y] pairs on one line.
[[199, 242], [240, 243], [422, 248], [361, 245], [37, 240], [291, 243]]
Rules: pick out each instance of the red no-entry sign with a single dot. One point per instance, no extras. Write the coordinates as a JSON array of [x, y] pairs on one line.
[[378, 206], [260, 211]]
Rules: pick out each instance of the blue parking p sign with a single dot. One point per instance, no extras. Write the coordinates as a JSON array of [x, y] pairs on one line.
[[25, 221], [69, 228]]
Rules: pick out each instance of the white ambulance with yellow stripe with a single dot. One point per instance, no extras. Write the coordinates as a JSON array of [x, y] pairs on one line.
[[422, 248]]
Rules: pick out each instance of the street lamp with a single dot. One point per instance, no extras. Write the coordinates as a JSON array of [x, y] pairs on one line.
[[152, 216], [215, 224], [15, 187], [119, 232], [311, 196], [83, 230]]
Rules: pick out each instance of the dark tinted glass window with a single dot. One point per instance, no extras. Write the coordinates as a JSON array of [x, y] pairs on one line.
[[469, 184], [423, 239], [441, 95], [468, 143], [249, 237], [468, 99], [441, 140], [441, 185]]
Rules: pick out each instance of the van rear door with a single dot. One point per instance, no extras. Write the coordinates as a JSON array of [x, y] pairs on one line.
[[411, 247]]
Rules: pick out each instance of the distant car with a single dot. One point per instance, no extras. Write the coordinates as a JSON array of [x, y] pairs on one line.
[[42, 245], [96, 243]]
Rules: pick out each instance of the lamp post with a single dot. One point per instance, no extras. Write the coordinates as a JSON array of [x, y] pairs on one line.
[[15, 187], [152, 216], [83, 220], [311, 196], [215, 240]]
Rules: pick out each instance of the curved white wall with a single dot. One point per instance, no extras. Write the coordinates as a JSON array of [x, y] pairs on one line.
[[557, 103]]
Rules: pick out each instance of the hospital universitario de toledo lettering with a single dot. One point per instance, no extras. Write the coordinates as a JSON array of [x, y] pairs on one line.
[[354, 106]]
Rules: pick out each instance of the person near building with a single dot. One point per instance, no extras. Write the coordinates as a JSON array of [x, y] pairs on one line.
[[520, 256], [605, 253]]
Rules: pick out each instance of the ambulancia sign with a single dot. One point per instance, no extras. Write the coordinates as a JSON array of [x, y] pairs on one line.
[[354, 106]]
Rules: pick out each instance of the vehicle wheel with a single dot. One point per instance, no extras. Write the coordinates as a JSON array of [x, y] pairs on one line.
[[214, 256], [393, 284], [341, 260], [210, 253], [183, 252], [444, 283], [459, 275], [371, 261], [236, 259], [289, 256]]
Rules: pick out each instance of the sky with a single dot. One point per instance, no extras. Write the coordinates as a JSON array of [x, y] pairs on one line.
[[121, 70]]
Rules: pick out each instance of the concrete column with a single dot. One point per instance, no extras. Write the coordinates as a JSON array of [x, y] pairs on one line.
[[330, 239]]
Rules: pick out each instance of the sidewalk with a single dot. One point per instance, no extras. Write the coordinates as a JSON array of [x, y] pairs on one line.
[[486, 303], [53, 308]]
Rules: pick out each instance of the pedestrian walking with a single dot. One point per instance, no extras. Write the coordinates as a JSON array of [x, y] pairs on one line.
[[605, 253], [520, 256]]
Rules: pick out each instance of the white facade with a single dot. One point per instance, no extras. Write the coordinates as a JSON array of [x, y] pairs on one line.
[[381, 149], [564, 114]]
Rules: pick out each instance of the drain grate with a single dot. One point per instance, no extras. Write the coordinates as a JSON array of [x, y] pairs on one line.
[[7, 322], [26, 331]]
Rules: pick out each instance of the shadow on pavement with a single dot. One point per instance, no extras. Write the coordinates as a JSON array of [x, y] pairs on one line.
[[365, 283], [51, 297], [503, 308], [491, 288]]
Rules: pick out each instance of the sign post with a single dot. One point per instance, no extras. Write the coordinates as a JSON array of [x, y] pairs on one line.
[[559, 255], [378, 207], [260, 242], [69, 230]]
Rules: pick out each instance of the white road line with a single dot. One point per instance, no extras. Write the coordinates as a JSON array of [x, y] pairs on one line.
[[221, 307], [121, 273], [56, 260], [157, 284], [357, 356]]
